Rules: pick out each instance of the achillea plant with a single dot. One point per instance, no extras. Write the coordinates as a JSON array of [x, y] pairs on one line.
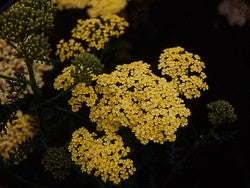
[[11, 66], [17, 132], [94, 8], [105, 156], [119, 113], [93, 34]]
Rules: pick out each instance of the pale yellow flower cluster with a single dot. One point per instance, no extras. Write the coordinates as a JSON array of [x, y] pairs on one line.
[[17, 132], [185, 71], [10, 65], [70, 4], [94, 33], [64, 80], [95, 8], [68, 49], [105, 156], [80, 94], [132, 96], [104, 7]]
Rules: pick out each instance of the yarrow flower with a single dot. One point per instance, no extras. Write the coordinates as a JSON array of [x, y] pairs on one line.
[[105, 7], [95, 8], [185, 71], [70, 4], [57, 161], [104, 156], [83, 69], [11, 66], [16, 132], [132, 96], [221, 112], [66, 50]]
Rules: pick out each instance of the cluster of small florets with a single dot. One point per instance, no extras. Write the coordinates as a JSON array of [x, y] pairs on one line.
[[57, 162], [70, 4], [82, 94], [105, 7], [95, 7], [11, 66], [86, 67], [105, 156], [221, 112], [68, 49], [34, 47], [64, 80], [83, 68], [25, 17], [132, 96], [96, 32], [185, 71], [237, 12], [16, 132], [93, 33]]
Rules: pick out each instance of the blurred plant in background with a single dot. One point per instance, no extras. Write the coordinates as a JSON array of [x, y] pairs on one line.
[[237, 12]]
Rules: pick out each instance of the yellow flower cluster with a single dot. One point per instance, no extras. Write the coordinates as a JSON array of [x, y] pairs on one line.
[[104, 7], [10, 66], [132, 96], [68, 49], [94, 34], [80, 94], [70, 4], [95, 7], [64, 80], [97, 32], [105, 156], [17, 132], [185, 71]]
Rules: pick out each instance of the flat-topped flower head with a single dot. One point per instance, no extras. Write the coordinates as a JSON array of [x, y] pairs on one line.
[[132, 96], [70, 4], [105, 156], [185, 71], [97, 32], [104, 7], [68, 49]]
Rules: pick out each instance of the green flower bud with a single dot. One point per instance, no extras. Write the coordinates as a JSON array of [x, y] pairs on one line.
[[57, 162], [34, 47], [221, 112], [86, 65], [26, 17]]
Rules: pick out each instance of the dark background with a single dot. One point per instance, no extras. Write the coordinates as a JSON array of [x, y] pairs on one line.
[[196, 26]]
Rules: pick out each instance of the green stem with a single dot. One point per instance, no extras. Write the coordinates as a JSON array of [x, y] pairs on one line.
[[37, 96], [60, 95], [34, 86], [15, 79]]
